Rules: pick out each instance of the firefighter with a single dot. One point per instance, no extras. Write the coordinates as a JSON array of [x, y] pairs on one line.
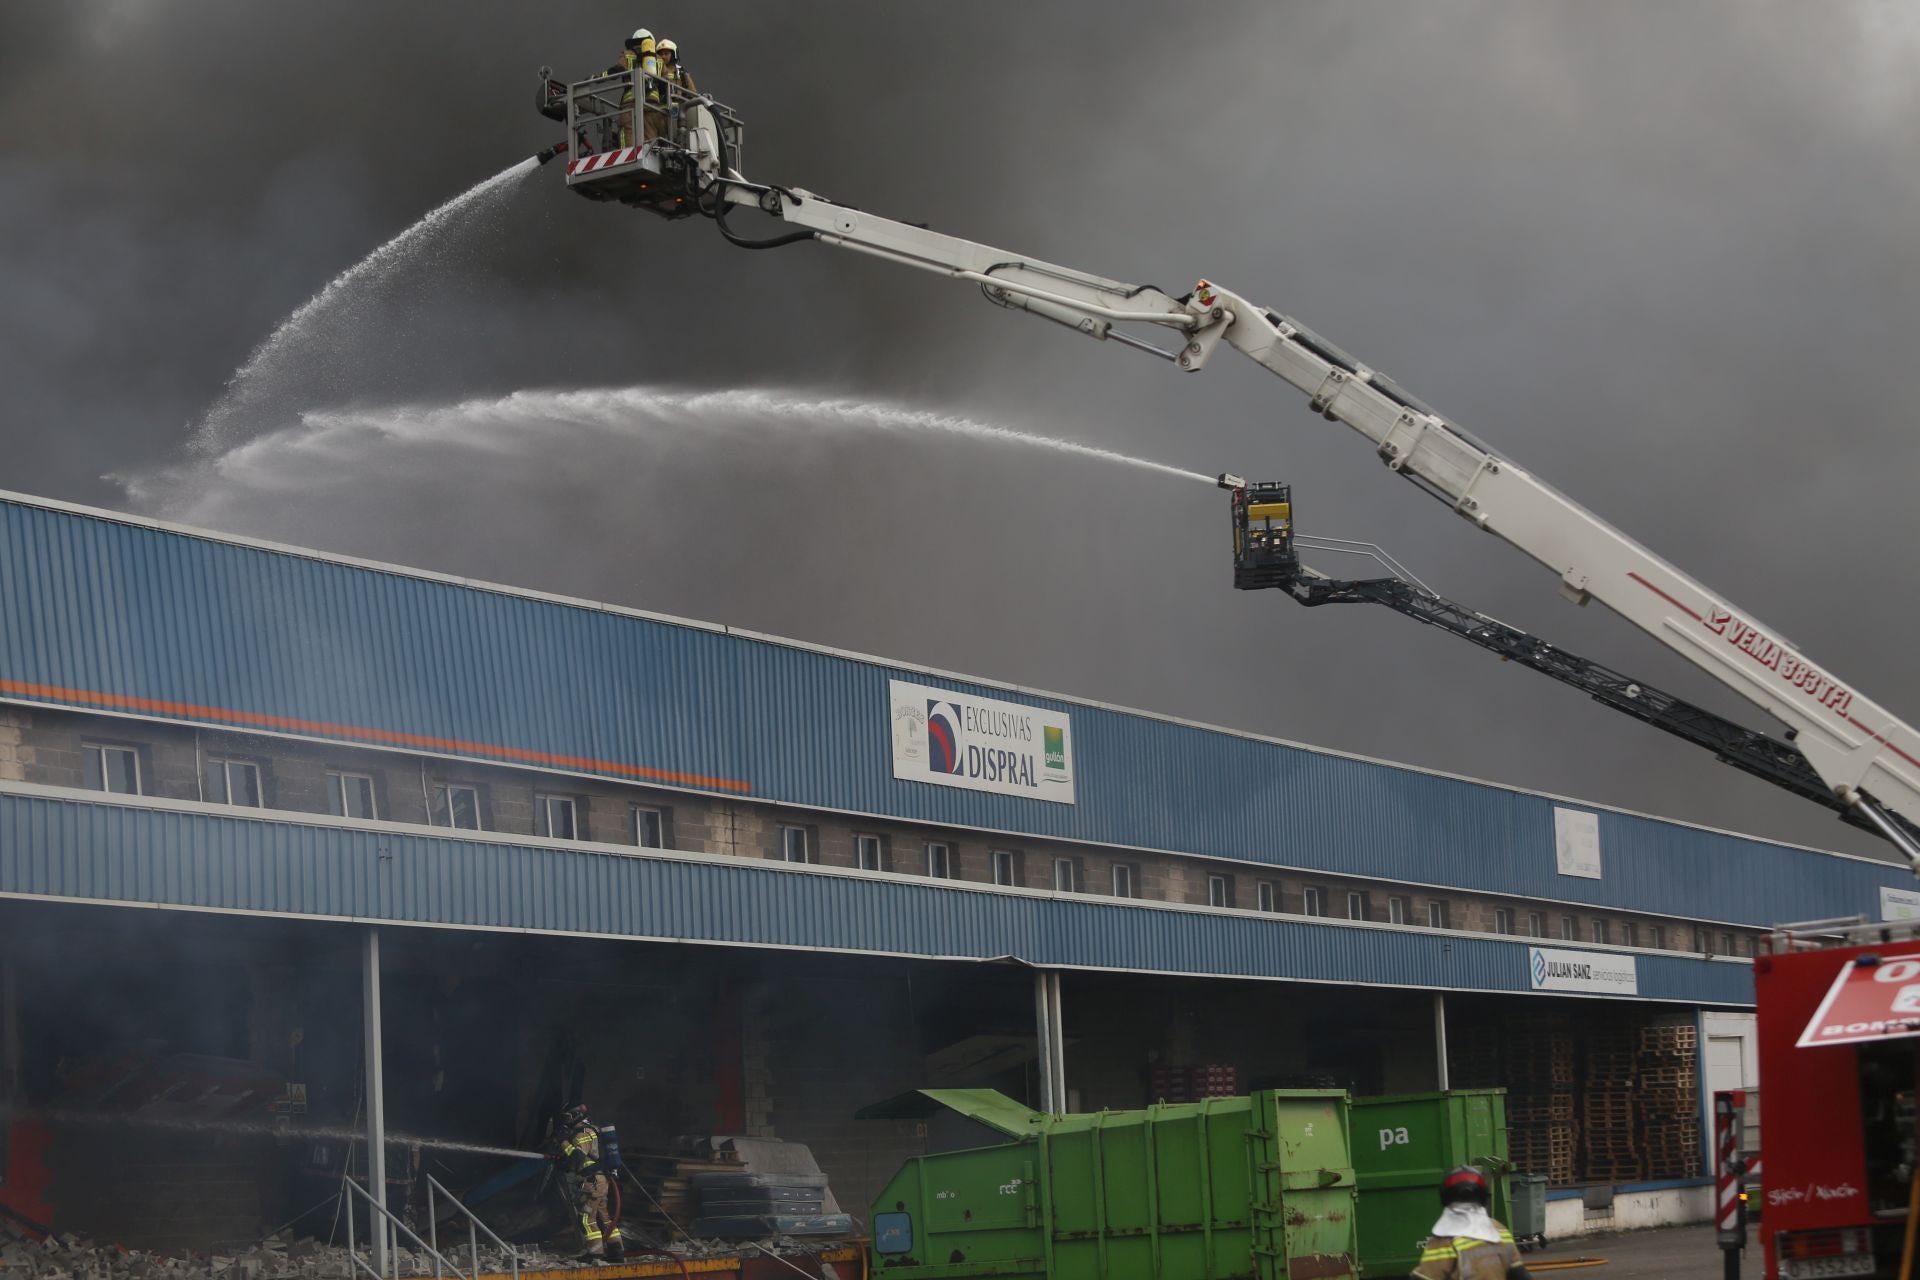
[[593, 1183], [673, 70], [1467, 1242], [642, 57]]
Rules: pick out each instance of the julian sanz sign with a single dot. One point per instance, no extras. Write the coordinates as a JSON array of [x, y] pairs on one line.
[[1596, 972], [983, 744]]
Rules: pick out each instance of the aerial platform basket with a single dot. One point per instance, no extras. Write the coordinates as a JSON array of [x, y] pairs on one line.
[[610, 157]]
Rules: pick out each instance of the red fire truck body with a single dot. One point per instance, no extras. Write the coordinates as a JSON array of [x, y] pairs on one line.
[[1837, 1013]]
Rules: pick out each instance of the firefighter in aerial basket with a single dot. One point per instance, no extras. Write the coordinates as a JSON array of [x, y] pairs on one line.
[[1468, 1242]]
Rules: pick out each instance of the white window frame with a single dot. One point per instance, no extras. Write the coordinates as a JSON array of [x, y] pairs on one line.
[[1313, 901], [1357, 904], [659, 815], [100, 751], [451, 824], [1122, 880], [1657, 937], [1218, 891], [1439, 915], [940, 860], [1602, 933], [337, 792], [1269, 900], [1397, 909], [543, 803], [1569, 928], [1006, 868], [1063, 877], [1727, 944], [1536, 924], [1503, 919], [227, 765], [869, 844], [789, 835], [1630, 934]]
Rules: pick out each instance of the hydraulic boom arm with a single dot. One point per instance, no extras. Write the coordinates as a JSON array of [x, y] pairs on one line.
[[1866, 757]]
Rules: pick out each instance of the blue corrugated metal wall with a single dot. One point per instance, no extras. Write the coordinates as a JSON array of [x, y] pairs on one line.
[[112, 615], [126, 853]]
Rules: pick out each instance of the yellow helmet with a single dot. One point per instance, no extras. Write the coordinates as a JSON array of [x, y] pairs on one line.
[[669, 46]]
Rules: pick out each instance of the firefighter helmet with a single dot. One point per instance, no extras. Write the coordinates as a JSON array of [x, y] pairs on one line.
[[574, 1114], [1466, 1183], [633, 41], [669, 46]]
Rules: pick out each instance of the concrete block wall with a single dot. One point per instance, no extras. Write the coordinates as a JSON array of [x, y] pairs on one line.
[[44, 745]]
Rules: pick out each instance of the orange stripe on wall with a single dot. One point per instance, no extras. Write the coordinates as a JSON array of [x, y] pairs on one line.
[[194, 711]]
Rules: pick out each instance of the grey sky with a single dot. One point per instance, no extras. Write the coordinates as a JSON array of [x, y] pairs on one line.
[[1664, 254]]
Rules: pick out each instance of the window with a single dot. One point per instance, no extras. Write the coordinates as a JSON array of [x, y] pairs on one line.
[[1219, 891], [1436, 914], [113, 769], [1657, 936], [1503, 919], [1313, 901], [1006, 867], [1705, 938], [794, 845], [1063, 878], [868, 852], [1569, 929], [1602, 931], [1267, 895], [1358, 907], [940, 861], [232, 781], [649, 827], [1122, 880], [455, 805], [350, 795], [1630, 934], [1398, 909], [556, 817], [1746, 946], [1536, 924]]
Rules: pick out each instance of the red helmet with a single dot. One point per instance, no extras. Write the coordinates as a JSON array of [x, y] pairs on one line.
[[1466, 1183]]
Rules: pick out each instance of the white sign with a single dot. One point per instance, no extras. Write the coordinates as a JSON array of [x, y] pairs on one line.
[[1576, 842], [1551, 969], [1899, 904], [983, 744]]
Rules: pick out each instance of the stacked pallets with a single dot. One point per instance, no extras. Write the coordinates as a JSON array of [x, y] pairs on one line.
[[1535, 1064], [1609, 1134], [665, 1203], [1669, 1100], [1167, 1083]]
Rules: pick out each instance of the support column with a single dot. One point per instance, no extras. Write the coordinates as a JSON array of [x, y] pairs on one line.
[[1043, 1035], [378, 1229], [1057, 1036], [1440, 1037]]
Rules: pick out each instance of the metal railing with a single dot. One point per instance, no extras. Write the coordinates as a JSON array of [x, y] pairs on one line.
[[601, 109], [474, 1228], [441, 1265]]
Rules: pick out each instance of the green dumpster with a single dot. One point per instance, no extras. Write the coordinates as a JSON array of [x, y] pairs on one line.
[[1223, 1189], [1403, 1145]]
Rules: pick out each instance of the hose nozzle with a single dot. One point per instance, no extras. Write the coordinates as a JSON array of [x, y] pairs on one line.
[[550, 152], [1228, 480]]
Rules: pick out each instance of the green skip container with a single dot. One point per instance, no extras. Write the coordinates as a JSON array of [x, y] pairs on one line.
[[1250, 1188], [1403, 1146]]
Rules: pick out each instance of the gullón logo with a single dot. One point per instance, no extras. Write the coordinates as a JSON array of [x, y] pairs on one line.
[[1551, 969], [954, 739]]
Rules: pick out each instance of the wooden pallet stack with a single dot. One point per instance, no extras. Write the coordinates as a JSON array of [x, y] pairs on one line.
[[1669, 1100], [665, 1205], [1539, 1075], [1610, 1146]]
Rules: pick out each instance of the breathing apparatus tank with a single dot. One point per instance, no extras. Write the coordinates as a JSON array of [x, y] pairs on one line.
[[610, 1149]]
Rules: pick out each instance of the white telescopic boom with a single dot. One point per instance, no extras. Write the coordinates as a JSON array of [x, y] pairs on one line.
[[1863, 751]]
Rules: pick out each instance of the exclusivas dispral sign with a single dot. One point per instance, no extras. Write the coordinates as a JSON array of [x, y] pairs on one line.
[[982, 744], [1600, 972]]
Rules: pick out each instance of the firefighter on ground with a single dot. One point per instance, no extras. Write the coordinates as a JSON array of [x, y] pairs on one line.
[[592, 1183], [1468, 1243]]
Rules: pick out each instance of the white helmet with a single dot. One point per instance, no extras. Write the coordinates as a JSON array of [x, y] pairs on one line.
[[668, 46], [634, 40]]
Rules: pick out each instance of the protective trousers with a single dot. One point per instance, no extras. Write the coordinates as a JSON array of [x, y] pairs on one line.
[[596, 1216]]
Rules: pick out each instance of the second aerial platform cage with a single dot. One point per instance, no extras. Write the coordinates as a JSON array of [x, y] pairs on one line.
[[641, 139]]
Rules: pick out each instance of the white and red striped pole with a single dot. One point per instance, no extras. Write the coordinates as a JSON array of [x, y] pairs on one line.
[[1730, 1218]]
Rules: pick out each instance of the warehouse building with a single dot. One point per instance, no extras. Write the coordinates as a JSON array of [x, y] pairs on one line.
[[290, 841]]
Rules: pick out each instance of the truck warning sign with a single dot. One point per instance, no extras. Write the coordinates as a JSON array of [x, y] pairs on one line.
[[1872, 999]]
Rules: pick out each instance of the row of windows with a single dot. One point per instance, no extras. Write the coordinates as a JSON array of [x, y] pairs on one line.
[[236, 781]]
